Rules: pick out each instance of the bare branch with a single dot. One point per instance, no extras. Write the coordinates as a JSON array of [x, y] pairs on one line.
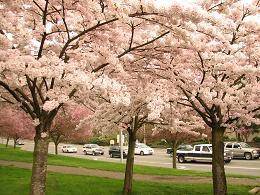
[[202, 65], [38, 5], [99, 24], [44, 33], [142, 45], [214, 6], [131, 49]]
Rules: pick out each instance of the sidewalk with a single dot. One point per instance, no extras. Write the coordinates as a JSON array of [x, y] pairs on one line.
[[120, 175]]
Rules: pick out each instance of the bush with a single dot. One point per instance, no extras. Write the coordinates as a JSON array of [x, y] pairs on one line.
[[158, 144], [256, 139], [231, 139], [102, 141], [200, 141]]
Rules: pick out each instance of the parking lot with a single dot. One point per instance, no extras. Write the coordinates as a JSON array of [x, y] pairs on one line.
[[161, 159]]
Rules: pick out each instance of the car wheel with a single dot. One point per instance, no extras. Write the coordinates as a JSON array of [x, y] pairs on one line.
[[181, 159], [141, 153], [248, 156], [94, 153]]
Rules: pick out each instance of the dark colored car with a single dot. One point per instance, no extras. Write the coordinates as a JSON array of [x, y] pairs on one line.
[[114, 151]]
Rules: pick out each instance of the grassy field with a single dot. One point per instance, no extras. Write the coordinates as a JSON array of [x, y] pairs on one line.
[[16, 182], [25, 156]]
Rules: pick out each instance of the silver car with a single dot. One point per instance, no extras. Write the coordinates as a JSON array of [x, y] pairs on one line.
[[93, 149], [242, 150]]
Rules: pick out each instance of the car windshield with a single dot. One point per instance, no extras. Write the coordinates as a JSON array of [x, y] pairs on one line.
[[143, 146], [245, 145], [95, 146], [118, 148], [185, 147]]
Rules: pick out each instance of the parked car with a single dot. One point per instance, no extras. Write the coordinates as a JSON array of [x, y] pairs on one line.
[[180, 147], [19, 142], [200, 153], [143, 149], [114, 151], [69, 149], [242, 150], [93, 149]]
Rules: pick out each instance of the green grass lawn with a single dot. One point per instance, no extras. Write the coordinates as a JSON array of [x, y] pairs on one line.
[[16, 181], [25, 156]]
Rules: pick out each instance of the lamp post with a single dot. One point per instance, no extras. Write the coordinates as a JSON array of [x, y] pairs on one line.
[[144, 135], [121, 145], [171, 113]]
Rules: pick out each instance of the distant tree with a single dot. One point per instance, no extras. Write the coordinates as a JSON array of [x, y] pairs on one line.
[[243, 133], [179, 126], [15, 124], [64, 127]]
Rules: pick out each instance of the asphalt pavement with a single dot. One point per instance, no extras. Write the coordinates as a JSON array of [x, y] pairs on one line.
[[161, 159]]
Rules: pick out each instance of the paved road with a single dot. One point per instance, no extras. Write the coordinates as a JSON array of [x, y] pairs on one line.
[[161, 159]]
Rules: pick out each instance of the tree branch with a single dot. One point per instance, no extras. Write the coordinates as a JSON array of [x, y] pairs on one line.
[[44, 33], [99, 24], [131, 49]]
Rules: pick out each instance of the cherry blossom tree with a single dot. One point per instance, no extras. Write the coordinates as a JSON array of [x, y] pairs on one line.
[[216, 70], [180, 125], [15, 124], [244, 133], [59, 49], [54, 51], [136, 107], [179, 20], [64, 127]]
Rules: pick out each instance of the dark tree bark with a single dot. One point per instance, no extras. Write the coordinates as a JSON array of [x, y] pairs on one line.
[[15, 142], [39, 169], [7, 141], [218, 171], [238, 136], [56, 147], [56, 139], [174, 149], [129, 163]]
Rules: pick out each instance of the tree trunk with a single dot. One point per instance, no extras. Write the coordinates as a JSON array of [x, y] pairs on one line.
[[56, 148], [15, 142], [7, 141], [218, 171], [246, 138], [239, 137], [129, 165], [39, 169], [174, 148]]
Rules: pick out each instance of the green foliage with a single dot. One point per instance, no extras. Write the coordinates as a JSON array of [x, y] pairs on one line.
[[102, 141], [201, 141], [256, 139], [159, 144], [227, 138], [16, 182]]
